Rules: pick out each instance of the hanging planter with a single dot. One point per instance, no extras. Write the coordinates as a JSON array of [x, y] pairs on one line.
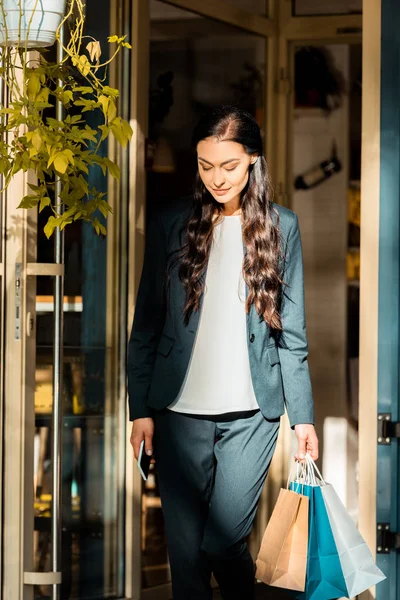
[[30, 23], [33, 139]]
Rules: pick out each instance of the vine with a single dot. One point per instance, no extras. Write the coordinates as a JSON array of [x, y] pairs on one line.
[[32, 140]]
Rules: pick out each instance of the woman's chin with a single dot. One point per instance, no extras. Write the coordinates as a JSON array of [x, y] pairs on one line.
[[224, 199]]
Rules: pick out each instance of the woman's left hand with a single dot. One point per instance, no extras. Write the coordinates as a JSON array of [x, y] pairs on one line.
[[307, 441]]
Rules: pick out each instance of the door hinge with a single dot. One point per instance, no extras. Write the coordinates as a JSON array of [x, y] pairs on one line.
[[387, 429], [386, 540]]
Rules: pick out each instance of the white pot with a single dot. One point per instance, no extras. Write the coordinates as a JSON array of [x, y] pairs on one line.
[[31, 23]]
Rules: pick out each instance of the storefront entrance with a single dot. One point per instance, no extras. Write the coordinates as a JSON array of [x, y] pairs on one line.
[[75, 520]]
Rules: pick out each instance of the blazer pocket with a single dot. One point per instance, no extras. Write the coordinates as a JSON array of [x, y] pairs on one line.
[[165, 345], [273, 355]]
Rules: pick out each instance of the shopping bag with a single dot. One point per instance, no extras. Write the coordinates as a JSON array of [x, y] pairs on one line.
[[324, 576], [359, 569], [282, 558]]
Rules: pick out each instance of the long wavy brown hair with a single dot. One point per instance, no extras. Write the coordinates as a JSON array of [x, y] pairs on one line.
[[260, 222]]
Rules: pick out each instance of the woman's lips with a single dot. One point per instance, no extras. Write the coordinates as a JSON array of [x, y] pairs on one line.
[[220, 192]]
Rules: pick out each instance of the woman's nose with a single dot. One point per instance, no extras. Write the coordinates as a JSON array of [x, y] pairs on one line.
[[218, 179]]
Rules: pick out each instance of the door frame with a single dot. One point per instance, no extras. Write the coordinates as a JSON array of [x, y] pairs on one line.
[[281, 31]]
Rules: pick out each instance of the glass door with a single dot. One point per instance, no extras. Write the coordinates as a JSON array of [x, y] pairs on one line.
[[84, 556]]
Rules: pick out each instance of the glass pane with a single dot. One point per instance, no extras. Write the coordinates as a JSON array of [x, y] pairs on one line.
[[91, 498], [93, 438], [195, 63], [303, 8]]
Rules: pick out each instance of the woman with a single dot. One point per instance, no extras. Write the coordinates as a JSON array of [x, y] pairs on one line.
[[218, 346]]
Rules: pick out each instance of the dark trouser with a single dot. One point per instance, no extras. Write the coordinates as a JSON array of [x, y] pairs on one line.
[[211, 473]]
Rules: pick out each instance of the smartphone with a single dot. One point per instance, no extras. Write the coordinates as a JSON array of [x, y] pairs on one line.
[[143, 462]]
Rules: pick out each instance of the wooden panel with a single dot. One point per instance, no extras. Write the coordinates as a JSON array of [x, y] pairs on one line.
[[370, 183]]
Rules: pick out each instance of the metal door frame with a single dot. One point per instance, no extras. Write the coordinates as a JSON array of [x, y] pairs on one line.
[[17, 378]]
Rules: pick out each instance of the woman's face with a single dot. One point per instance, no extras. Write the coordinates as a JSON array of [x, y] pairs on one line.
[[224, 169]]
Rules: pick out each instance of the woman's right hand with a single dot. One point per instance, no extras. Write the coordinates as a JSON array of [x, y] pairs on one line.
[[142, 429]]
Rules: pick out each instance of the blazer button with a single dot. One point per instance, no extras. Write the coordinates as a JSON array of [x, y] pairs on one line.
[[252, 338]]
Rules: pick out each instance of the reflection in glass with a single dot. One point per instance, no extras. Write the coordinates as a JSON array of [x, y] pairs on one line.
[[195, 63]]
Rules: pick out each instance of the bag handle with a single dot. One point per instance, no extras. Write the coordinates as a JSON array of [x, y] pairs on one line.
[[300, 470], [312, 469]]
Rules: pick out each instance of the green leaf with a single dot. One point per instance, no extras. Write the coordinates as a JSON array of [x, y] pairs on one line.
[[50, 226], [127, 129], [104, 208], [70, 155], [33, 86], [118, 133], [113, 168], [109, 91], [61, 162], [87, 104], [74, 120], [104, 102], [37, 140], [89, 134], [54, 123], [105, 131], [41, 105], [43, 97], [98, 227], [82, 63], [112, 111], [112, 39], [65, 223], [35, 188], [83, 89], [45, 201], [101, 162], [29, 201], [66, 97]]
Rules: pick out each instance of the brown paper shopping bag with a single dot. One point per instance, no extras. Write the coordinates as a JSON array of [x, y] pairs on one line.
[[282, 559]]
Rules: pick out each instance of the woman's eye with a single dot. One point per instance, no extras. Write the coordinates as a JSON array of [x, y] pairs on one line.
[[206, 168], [231, 169]]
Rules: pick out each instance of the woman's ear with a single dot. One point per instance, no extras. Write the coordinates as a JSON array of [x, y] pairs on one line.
[[253, 159]]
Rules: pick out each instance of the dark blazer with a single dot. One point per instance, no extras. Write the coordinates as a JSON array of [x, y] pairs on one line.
[[160, 345]]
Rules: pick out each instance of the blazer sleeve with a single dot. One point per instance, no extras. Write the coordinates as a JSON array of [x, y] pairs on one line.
[[148, 321], [293, 347]]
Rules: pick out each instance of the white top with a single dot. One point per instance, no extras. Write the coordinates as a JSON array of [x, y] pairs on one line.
[[218, 379]]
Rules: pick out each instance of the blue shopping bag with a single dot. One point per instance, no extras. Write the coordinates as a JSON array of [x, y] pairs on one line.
[[324, 577]]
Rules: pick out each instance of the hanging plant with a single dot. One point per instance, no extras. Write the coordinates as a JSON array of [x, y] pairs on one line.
[[31, 138]]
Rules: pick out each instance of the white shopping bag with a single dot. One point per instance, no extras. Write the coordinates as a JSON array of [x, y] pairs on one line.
[[359, 569]]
